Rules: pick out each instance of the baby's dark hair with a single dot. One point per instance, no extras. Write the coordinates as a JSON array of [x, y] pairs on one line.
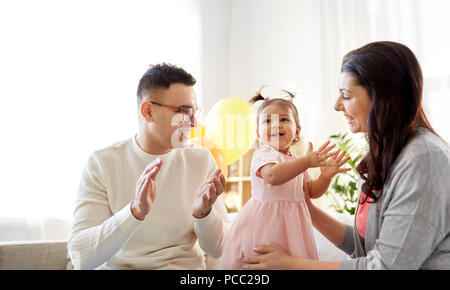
[[278, 101]]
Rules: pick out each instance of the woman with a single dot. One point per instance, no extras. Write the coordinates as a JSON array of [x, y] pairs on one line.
[[403, 216]]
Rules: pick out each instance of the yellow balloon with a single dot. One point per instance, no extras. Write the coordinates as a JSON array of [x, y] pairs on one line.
[[231, 125], [198, 131], [216, 153]]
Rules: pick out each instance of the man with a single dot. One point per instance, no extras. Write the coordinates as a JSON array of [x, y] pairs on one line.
[[150, 202]]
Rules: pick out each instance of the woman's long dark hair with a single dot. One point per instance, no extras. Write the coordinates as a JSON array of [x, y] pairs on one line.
[[392, 76]]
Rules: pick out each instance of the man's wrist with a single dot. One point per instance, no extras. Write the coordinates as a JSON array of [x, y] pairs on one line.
[[134, 212], [200, 216]]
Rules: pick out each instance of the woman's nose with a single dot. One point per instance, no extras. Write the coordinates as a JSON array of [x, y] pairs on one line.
[[338, 104]]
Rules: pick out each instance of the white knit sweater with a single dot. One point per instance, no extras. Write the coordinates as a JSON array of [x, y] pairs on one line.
[[106, 235]]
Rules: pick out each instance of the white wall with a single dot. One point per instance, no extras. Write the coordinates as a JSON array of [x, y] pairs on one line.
[[299, 45], [215, 51], [278, 44]]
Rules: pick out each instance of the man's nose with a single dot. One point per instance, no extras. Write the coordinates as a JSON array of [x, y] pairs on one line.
[[189, 121]]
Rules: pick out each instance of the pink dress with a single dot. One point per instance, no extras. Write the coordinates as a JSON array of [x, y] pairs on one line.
[[276, 215]]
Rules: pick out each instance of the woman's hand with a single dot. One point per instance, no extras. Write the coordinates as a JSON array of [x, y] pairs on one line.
[[269, 258], [336, 161]]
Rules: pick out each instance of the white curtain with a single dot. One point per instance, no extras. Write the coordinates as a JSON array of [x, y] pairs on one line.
[[69, 72], [299, 45]]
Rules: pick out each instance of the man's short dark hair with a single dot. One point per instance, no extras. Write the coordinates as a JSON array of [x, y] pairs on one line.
[[161, 76]]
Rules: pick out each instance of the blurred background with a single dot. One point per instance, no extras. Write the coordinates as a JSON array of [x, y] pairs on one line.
[[69, 72]]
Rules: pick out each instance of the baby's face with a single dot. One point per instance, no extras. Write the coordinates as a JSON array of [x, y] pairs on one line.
[[277, 127]]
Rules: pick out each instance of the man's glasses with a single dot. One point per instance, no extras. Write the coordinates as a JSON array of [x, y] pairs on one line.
[[187, 111]]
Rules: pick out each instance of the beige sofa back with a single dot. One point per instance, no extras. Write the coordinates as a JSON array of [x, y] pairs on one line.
[[33, 255]]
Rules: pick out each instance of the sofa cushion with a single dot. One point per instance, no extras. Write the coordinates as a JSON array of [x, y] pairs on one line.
[[33, 255]]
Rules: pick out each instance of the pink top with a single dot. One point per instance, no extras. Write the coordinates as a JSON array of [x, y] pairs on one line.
[[361, 214], [276, 215], [291, 190]]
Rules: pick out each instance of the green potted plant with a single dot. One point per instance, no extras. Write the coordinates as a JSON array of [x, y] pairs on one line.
[[343, 190]]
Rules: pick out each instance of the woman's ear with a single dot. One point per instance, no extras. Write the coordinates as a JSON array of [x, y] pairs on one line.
[[146, 111]]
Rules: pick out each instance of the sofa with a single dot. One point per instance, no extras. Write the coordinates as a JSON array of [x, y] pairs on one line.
[[52, 254], [34, 255]]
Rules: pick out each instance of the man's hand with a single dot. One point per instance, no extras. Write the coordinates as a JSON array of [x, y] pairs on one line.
[[145, 190], [207, 194]]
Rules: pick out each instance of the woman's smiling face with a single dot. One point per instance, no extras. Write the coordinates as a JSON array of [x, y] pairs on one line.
[[354, 101]]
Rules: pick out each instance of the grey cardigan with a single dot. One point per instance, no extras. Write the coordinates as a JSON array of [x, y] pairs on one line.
[[408, 226]]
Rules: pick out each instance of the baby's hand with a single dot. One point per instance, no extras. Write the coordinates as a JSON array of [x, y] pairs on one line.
[[338, 160], [319, 158]]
